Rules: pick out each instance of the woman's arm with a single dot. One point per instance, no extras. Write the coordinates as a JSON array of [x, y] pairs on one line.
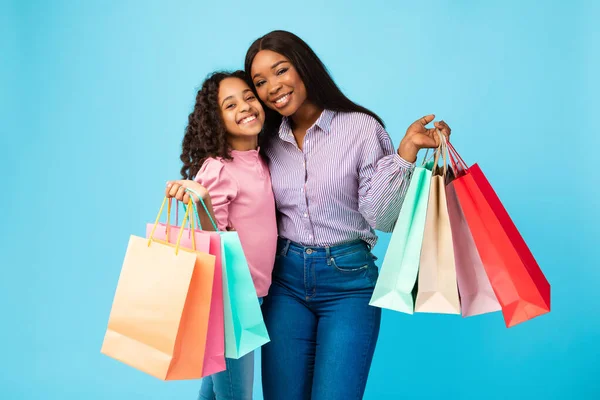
[[384, 173]]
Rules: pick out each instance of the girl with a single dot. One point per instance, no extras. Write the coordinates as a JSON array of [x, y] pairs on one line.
[[220, 153], [336, 177]]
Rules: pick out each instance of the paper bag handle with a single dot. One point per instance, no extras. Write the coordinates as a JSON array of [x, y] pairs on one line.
[[442, 150], [455, 157], [185, 219], [212, 221]]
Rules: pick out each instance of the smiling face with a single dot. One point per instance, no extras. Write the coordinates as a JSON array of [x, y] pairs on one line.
[[241, 111], [278, 83]]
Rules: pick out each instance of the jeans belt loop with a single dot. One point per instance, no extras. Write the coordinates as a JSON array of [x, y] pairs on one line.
[[328, 255]]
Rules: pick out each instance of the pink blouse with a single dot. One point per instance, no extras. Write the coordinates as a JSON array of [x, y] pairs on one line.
[[242, 199]]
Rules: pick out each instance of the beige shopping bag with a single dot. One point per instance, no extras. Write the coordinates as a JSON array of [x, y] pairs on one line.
[[437, 285], [159, 318]]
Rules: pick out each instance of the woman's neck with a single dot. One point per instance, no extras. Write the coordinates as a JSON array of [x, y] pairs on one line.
[[306, 116]]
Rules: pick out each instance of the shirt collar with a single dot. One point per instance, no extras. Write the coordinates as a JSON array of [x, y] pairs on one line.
[[285, 129], [323, 122]]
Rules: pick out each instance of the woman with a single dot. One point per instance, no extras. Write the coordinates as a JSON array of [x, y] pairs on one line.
[[336, 177]]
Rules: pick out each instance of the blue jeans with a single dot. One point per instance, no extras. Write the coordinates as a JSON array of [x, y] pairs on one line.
[[235, 383], [323, 331]]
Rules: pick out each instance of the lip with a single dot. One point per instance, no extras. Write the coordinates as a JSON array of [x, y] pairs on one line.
[[239, 122], [285, 103]]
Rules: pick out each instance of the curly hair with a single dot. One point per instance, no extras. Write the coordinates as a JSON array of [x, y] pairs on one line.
[[205, 135]]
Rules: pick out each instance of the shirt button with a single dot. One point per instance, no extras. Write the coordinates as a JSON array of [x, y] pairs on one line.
[[305, 215]]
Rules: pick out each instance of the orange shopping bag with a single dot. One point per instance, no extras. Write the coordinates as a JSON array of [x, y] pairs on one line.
[[159, 318]]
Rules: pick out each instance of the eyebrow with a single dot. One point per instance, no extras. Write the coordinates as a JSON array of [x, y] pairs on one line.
[[272, 67], [231, 97], [225, 99]]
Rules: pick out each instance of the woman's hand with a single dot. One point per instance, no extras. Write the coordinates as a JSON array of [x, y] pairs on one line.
[[177, 190], [418, 137]]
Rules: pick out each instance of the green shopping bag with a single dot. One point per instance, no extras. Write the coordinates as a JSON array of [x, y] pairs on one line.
[[398, 274], [245, 329]]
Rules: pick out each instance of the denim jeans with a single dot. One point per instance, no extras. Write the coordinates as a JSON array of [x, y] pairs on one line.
[[235, 383], [323, 331]]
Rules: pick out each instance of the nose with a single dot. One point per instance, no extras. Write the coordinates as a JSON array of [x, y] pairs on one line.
[[244, 106], [274, 87]]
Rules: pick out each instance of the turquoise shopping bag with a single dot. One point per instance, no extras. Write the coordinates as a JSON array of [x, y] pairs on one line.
[[398, 274], [245, 329]]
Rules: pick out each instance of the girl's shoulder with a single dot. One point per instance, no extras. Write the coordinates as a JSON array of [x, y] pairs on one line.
[[212, 166], [214, 172]]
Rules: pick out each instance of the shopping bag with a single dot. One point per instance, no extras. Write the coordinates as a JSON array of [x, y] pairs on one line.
[[159, 318], [437, 287], [214, 359], [398, 274], [206, 242], [245, 329], [476, 293], [516, 278]]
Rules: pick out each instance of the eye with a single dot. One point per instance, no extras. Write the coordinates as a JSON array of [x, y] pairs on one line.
[[250, 98], [282, 71], [259, 83], [229, 106]]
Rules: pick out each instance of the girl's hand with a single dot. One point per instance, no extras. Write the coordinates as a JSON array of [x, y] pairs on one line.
[[418, 136], [176, 189]]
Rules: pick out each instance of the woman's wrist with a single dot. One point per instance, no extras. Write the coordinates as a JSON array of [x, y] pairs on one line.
[[408, 151]]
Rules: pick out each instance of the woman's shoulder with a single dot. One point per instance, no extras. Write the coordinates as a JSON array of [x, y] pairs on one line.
[[358, 125], [356, 119]]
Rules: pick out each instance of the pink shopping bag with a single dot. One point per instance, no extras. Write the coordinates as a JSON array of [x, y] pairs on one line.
[[476, 293]]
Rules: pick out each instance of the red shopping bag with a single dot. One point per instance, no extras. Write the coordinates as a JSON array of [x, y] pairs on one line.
[[209, 242], [515, 276]]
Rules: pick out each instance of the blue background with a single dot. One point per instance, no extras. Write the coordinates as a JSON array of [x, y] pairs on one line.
[[93, 104]]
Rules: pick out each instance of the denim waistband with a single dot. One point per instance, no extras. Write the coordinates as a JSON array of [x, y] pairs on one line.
[[286, 245]]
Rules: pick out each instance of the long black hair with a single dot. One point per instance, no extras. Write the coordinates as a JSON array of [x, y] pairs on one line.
[[320, 88]]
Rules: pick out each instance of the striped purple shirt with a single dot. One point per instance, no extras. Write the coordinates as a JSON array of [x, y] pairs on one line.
[[347, 180]]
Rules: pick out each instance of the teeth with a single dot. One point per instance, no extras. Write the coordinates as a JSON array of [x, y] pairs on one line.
[[248, 119], [284, 98]]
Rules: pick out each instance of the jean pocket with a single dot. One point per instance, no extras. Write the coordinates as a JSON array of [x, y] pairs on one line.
[[373, 275], [353, 262], [281, 248]]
